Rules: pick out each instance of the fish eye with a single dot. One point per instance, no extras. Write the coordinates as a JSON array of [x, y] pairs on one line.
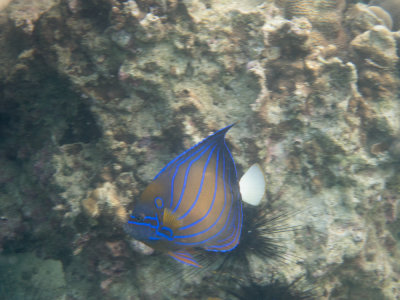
[[159, 202], [140, 217]]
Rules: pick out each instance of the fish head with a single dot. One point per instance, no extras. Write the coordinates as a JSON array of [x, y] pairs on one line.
[[152, 223], [143, 224]]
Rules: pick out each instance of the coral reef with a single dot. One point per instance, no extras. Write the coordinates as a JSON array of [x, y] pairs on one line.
[[98, 95]]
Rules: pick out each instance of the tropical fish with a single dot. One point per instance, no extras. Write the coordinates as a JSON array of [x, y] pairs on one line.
[[193, 202]]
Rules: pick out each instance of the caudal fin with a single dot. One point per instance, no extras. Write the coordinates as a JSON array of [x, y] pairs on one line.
[[252, 185]]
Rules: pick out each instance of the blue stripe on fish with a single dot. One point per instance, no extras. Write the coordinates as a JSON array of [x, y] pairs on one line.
[[186, 176], [216, 221], [187, 171], [194, 201], [198, 193]]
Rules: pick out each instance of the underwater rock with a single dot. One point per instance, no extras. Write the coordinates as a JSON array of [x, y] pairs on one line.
[[26, 14], [4, 3], [361, 17], [299, 8], [140, 247], [104, 199], [382, 15], [72, 177], [25, 276], [288, 38], [157, 76], [375, 54], [395, 148], [325, 15], [151, 29], [393, 8], [132, 7], [376, 45]]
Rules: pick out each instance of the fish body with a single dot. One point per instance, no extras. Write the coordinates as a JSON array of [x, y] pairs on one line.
[[193, 202]]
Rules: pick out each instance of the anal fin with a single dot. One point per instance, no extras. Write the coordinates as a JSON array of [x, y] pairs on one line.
[[185, 258]]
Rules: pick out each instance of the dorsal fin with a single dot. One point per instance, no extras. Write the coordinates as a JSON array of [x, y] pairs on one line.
[[214, 138]]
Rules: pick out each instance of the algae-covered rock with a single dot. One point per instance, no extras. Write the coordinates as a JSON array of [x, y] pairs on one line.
[[25, 276], [97, 96], [375, 54], [361, 18], [377, 45], [392, 7], [325, 15]]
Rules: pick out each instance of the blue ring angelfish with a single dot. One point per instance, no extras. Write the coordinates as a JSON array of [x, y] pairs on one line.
[[193, 202]]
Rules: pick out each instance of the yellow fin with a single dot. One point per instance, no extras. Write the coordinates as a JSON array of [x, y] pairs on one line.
[[170, 220]]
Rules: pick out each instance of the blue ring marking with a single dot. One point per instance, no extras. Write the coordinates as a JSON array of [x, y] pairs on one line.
[[229, 238], [199, 192], [237, 229], [210, 140], [157, 203], [206, 240], [232, 222], [213, 200], [186, 176], [212, 248], [220, 214], [178, 166], [232, 228]]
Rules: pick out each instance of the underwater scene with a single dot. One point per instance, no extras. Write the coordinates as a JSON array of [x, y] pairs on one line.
[[199, 149]]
